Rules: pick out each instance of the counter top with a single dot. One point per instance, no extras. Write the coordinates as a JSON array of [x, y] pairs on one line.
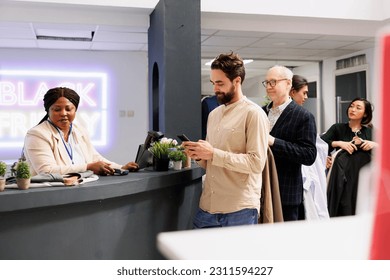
[[106, 187]]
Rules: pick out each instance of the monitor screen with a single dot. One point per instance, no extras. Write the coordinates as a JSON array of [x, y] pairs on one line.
[[144, 158]]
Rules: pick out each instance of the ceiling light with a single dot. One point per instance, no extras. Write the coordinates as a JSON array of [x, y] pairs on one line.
[[209, 62], [64, 34]]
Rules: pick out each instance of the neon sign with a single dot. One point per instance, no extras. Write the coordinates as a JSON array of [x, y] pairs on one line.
[[21, 102]]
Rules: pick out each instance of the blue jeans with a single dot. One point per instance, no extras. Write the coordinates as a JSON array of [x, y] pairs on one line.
[[204, 219]]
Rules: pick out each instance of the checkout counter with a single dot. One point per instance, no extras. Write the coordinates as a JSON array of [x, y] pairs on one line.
[[113, 218]]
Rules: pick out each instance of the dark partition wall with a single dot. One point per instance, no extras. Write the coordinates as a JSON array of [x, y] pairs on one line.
[[174, 68]]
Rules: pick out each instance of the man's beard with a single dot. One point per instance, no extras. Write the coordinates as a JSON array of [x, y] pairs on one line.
[[224, 98]]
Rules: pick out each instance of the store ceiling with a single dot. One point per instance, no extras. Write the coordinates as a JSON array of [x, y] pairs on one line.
[[269, 40]]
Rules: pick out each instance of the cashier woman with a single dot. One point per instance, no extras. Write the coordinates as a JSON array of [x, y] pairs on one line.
[[58, 145]]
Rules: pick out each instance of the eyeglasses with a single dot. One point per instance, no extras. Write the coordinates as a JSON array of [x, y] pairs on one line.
[[272, 83]]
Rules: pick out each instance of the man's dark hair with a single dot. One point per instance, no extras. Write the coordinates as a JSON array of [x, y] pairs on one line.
[[231, 64]]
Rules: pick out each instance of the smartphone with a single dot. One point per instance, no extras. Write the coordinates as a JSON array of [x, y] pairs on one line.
[[120, 172], [182, 137]]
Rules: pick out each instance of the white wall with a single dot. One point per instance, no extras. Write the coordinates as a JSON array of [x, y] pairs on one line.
[[252, 89], [127, 90], [328, 86]]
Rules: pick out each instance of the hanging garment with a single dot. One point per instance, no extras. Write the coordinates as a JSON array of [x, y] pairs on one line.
[[343, 182]]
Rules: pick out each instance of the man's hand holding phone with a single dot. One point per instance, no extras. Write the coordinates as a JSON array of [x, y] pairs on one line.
[[198, 150], [183, 137]]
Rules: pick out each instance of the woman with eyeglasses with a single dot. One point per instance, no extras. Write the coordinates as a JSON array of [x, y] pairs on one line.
[[353, 144]]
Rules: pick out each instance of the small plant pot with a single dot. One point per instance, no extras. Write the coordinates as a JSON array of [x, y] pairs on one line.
[[161, 164], [177, 165], [23, 184], [2, 184]]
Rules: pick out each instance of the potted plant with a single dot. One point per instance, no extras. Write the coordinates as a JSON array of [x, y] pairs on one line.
[[177, 156], [23, 175], [3, 169], [160, 150]]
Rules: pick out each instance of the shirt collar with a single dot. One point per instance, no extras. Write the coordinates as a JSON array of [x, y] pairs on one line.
[[281, 107], [227, 107]]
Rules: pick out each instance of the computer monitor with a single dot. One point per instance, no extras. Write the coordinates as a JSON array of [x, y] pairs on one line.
[[144, 158]]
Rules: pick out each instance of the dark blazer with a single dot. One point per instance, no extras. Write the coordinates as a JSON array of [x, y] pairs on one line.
[[295, 144], [209, 103]]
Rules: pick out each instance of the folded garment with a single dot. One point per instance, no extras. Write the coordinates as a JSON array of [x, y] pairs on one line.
[[69, 179], [84, 174], [47, 177]]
